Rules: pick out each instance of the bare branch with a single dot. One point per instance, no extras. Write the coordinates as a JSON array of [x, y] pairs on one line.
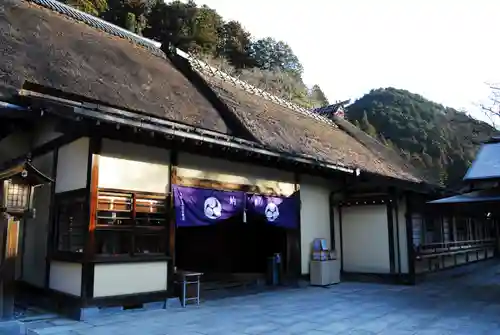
[[492, 109]]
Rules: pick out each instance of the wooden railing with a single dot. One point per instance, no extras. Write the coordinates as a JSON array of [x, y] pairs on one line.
[[433, 257], [450, 248]]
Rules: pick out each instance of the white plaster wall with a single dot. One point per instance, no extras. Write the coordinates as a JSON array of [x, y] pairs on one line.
[[20, 143], [14, 146], [45, 132], [201, 167], [134, 152], [36, 229], [133, 167], [124, 174], [66, 277], [129, 278], [365, 239], [314, 216], [72, 163]]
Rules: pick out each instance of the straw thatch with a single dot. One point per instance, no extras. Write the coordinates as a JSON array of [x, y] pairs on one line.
[[284, 129], [40, 46]]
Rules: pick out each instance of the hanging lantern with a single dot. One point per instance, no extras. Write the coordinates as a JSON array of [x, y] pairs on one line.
[[18, 183]]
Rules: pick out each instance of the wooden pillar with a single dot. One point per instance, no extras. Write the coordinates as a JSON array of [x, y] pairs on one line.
[[454, 228], [339, 210], [50, 242], [296, 235], [9, 237], [171, 230], [409, 240], [87, 288], [443, 238], [390, 231]]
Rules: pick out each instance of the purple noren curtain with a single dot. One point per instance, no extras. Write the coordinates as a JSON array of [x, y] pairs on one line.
[[278, 211], [201, 207]]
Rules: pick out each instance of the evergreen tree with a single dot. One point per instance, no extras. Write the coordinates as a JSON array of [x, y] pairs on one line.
[[130, 22], [93, 7], [235, 45], [271, 54], [367, 126], [318, 96], [439, 139]]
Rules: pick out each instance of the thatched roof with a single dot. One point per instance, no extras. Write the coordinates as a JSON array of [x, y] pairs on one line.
[[41, 46], [285, 129], [38, 45]]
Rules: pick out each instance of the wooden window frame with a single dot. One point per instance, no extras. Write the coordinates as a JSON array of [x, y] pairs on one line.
[[60, 199], [132, 229]]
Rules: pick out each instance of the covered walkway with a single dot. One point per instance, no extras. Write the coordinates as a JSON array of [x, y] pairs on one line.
[[459, 301]]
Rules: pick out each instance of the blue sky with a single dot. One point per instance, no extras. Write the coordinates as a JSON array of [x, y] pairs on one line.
[[445, 50]]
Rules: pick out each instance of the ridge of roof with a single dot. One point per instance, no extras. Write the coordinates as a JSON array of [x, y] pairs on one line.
[[100, 24], [211, 71], [329, 109]]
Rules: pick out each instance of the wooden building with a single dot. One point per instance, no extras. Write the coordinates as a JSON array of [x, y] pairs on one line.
[[463, 228], [121, 126]]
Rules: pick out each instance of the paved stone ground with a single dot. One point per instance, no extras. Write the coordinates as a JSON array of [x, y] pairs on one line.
[[462, 301]]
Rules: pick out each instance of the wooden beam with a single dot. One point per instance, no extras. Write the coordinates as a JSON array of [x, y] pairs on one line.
[[339, 208], [50, 242], [296, 234], [87, 289], [171, 229], [409, 239], [390, 231]]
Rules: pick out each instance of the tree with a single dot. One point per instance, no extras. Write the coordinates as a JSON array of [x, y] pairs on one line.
[[131, 22], [129, 14], [185, 25], [268, 64], [173, 23], [318, 96], [205, 30], [93, 7], [367, 126], [235, 45], [438, 140], [492, 110], [270, 54]]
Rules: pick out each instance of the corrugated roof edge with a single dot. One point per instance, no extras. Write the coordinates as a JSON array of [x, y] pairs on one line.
[[97, 23]]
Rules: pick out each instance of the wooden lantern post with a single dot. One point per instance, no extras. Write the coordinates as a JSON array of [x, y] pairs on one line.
[[17, 184]]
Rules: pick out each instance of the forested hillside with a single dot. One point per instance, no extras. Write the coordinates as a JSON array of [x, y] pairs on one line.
[[437, 139], [440, 140]]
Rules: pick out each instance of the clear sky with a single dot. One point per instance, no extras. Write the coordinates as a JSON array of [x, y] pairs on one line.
[[443, 49]]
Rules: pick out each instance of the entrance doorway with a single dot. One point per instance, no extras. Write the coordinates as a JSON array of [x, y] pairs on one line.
[[234, 245]]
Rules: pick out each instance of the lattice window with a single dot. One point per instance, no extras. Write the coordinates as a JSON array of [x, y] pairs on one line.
[[17, 195], [130, 223]]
